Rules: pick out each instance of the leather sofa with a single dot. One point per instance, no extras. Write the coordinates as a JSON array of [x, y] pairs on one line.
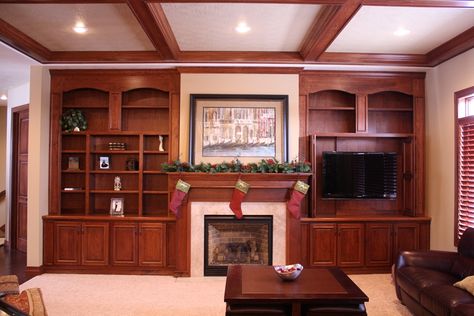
[[424, 279]]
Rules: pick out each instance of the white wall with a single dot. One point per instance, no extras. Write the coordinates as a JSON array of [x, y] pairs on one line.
[[3, 148], [441, 83], [282, 84], [38, 162], [16, 97]]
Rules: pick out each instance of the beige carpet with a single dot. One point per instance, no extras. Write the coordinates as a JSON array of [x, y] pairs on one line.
[[84, 294]]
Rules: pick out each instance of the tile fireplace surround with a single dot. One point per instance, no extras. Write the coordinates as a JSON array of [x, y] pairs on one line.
[[199, 209]]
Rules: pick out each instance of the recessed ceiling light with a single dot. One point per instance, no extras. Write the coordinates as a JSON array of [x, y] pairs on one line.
[[401, 31], [80, 27], [242, 27], [3, 97]]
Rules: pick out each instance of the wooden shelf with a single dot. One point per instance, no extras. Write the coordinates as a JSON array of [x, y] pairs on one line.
[[391, 109], [153, 172], [73, 171], [155, 152], [115, 152], [114, 192], [111, 171], [73, 191], [73, 151], [88, 106], [154, 192], [365, 135], [145, 107], [333, 108]]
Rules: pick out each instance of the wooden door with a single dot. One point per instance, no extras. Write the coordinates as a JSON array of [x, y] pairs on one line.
[[20, 179], [124, 244], [378, 249], [350, 245], [67, 243], [151, 244], [406, 237], [323, 245], [95, 243]]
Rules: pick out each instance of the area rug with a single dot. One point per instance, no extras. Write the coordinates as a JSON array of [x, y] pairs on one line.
[[85, 294]]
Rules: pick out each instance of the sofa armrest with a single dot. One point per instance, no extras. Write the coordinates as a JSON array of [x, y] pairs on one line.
[[432, 259]]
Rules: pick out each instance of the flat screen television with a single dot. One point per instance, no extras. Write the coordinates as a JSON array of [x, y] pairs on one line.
[[359, 175]]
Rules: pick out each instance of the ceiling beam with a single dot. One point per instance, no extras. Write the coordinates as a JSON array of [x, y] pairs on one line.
[[451, 48], [326, 27], [160, 19], [76, 57], [414, 60], [422, 3], [155, 33], [23, 43], [240, 57]]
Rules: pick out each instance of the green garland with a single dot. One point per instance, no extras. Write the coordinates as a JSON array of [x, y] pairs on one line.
[[263, 166], [73, 119]]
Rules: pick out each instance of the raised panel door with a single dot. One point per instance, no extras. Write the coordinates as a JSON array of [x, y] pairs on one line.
[[323, 245], [350, 245], [124, 244], [406, 237], [67, 245], [378, 248], [151, 244], [95, 244]]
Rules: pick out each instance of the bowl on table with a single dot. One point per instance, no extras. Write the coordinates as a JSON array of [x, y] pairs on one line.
[[288, 272]]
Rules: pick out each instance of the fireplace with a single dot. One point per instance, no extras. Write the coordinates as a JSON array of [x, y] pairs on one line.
[[228, 240]]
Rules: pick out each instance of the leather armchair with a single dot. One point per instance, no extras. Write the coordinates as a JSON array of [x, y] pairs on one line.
[[424, 279]]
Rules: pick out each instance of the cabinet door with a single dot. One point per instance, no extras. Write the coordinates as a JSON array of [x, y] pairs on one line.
[[124, 244], [95, 244], [406, 237], [378, 249], [323, 245], [151, 244], [350, 245], [67, 243]]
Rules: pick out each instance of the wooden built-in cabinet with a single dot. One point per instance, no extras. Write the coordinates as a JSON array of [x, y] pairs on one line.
[[364, 112], [361, 245], [139, 109]]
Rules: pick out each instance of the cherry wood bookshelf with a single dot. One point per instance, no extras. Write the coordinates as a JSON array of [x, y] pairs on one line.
[[135, 108], [364, 112]]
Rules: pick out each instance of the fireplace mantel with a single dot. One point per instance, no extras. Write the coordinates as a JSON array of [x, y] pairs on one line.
[[218, 187]]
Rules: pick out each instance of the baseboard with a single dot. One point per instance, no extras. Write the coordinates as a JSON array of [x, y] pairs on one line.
[[31, 272]]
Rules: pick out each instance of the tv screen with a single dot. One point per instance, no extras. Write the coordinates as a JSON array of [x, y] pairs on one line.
[[359, 175]]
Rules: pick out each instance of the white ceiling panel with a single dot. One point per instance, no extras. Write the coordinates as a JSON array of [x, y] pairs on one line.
[[371, 29], [211, 26], [111, 27]]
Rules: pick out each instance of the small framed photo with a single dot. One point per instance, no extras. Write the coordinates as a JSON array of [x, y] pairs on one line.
[[116, 206], [104, 162], [73, 163]]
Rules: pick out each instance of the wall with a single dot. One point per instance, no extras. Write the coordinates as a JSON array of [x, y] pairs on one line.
[[16, 97], [441, 83], [283, 84], [38, 162], [3, 140]]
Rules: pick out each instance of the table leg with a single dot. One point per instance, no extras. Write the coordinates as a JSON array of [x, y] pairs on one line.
[[296, 309]]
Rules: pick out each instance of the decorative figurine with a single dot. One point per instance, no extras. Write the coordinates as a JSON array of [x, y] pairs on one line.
[[160, 147], [117, 184]]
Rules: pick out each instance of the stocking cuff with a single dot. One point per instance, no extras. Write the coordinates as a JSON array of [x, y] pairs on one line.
[[242, 186], [301, 187], [182, 186]]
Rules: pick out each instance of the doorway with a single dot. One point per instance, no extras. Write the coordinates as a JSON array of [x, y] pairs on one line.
[[19, 204]]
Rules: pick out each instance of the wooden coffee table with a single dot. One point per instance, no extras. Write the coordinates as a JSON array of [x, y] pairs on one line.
[[323, 291]]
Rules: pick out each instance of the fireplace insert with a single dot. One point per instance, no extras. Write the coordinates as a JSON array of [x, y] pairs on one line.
[[228, 240]]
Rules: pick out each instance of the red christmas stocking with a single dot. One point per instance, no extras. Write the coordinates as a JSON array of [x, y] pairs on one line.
[[240, 190], [178, 196], [294, 203]]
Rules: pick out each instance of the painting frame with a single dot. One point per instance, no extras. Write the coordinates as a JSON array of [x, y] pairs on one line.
[[116, 206], [203, 146]]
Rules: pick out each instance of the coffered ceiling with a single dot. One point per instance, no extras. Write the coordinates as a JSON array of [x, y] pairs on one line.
[[357, 32]]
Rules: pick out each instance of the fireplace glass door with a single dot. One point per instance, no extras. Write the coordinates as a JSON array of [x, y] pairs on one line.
[[228, 240]]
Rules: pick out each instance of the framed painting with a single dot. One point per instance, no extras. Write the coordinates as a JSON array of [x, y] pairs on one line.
[[245, 127]]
